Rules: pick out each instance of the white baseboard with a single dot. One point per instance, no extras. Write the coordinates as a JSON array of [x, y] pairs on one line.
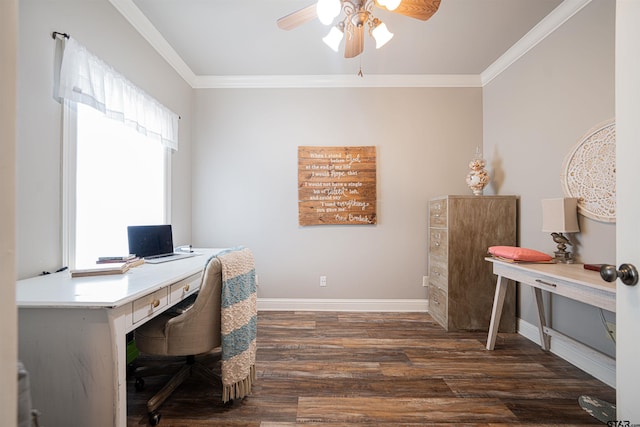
[[374, 305], [589, 360]]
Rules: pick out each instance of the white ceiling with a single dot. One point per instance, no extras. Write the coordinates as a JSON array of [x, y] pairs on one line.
[[236, 39]]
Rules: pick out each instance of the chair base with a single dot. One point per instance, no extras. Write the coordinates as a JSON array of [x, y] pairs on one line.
[[180, 371]]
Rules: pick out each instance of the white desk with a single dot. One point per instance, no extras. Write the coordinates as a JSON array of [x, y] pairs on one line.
[[72, 334], [569, 280]]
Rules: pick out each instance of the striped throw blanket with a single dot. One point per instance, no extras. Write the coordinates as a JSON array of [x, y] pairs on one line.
[[239, 318]]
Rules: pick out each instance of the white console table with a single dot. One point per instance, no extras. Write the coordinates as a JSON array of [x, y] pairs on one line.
[[72, 335], [569, 280]]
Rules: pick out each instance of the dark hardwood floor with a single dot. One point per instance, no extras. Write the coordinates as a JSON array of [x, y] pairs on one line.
[[384, 369]]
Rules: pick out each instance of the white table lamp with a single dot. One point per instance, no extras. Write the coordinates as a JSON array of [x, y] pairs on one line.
[[560, 216]]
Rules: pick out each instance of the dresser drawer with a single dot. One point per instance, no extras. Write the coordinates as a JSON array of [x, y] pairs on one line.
[[149, 305], [184, 288], [438, 213], [438, 304], [438, 272], [438, 245]]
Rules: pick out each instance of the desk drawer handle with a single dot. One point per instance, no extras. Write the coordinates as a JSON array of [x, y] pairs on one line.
[[186, 287], [155, 303], [553, 285]]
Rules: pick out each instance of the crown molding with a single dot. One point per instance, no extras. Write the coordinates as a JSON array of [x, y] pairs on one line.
[[548, 25], [141, 23], [558, 16], [337, 81]]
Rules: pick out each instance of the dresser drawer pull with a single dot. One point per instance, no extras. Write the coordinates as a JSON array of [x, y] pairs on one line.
[[436, 302], [436, 244], [186, 287], [155, 303], [553, 285]]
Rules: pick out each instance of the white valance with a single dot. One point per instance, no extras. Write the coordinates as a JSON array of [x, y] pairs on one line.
[[87, 79]]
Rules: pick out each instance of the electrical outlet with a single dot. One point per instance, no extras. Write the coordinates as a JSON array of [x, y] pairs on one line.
[[323, 281], [425, 281]]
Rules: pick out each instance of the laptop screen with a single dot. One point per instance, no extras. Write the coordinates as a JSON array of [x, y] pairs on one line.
[[150, 240]]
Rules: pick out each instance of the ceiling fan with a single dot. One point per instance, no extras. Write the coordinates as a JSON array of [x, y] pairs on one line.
[[357, 15]]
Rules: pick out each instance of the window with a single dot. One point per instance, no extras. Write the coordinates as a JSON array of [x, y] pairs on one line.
[[116, 166], [119, 179]]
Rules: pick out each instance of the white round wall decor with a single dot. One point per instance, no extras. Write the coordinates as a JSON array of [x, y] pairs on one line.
[[589, 173]]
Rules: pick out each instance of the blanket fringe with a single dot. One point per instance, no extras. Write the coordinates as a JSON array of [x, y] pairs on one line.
[[240, 389]]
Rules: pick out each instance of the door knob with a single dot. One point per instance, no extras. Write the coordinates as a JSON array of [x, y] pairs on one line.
[[626, 272]]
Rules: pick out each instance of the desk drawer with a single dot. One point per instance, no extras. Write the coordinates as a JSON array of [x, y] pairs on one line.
[[438, 213], [438, 242], [149, 305], [438, 272], [438, 304], [184, 288], [597, 296]]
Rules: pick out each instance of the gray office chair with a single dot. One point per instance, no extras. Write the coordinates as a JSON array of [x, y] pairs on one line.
[[188, 332]]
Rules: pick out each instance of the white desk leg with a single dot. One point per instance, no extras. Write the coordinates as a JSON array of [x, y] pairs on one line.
[[496, 313], [544, 338], [117, 327]]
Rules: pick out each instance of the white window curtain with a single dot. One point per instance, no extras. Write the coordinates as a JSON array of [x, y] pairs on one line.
[[87, 79]]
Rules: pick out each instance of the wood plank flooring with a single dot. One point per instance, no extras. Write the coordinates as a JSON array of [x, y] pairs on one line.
[[340, 369]]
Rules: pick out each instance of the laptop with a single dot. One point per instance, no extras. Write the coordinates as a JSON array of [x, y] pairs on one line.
[[154, 243]]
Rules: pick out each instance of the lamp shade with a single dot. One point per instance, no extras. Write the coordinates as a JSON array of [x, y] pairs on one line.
[[334, 38], [390, 4], [327, 10], [560, 215], [381, 34]]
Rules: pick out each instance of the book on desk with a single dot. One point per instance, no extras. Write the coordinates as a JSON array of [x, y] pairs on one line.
[[105, 268]]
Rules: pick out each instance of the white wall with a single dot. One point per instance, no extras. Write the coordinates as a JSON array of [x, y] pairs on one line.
[[97, 25], [8, 315], [534, 114], [245, 182]]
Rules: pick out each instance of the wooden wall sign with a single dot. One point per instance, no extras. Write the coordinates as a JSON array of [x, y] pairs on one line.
[[336, 185]]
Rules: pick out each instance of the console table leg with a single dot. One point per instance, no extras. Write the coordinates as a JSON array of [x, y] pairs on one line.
[[544, 338], [496, 313]]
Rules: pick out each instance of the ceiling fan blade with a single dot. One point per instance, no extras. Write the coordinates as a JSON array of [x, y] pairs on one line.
[[297, 18], [354, 44], [419, 9]]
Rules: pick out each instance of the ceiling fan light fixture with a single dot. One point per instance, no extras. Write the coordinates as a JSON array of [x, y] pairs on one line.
[[327, 10], [334, 38], [381, 33], [390, 4]]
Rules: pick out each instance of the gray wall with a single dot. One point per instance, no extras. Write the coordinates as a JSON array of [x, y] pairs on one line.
[[534, 114], [237, 184], [104, 31], [245, 182]]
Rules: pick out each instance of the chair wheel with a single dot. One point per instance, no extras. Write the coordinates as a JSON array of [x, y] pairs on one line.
[[154, 418], [139, 384]]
